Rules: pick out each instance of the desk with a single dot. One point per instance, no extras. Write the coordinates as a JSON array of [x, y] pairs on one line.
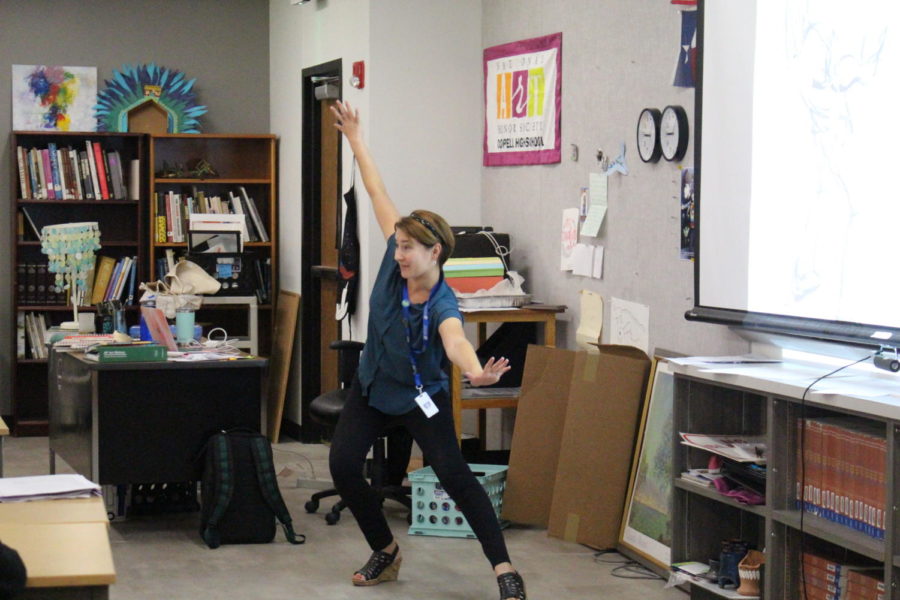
[[482, 318], [123, 423], [64, 545]]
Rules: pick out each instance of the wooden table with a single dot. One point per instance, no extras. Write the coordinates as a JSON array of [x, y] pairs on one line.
[[546, 315], [64, 545]]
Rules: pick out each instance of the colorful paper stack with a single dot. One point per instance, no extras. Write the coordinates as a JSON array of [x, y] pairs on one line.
[[467, 275]]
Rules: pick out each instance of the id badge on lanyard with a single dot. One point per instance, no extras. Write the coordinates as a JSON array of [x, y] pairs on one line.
[[422, 399]]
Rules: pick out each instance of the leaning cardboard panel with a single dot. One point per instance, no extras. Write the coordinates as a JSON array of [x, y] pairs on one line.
[[597, 441], [534, 452]]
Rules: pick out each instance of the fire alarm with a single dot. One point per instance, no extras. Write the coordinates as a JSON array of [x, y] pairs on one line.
[[359, 75]]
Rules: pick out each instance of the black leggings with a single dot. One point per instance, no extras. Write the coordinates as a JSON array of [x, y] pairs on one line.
[[358, 428]]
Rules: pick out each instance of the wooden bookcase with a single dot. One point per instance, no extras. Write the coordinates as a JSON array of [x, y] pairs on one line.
[[122, 230], [760, 404], [238, 162]]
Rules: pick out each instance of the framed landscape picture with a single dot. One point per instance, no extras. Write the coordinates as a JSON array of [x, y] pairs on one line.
[[646, 523]]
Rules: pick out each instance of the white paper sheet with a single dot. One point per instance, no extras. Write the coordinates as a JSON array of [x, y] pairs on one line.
[[582, 260], [630, 324], [597, 271]]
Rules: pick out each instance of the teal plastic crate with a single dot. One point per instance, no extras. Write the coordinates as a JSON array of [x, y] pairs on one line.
[[435, 513]]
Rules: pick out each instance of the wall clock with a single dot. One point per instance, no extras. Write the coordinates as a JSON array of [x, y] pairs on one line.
[[648, 135], [673, 132]]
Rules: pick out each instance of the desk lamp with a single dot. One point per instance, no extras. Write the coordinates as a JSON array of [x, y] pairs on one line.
[[70, 251]]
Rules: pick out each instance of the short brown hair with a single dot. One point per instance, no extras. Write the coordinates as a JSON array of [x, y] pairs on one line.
[[428, 228]]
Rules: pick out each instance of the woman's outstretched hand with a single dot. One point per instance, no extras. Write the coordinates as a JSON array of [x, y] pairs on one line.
[[490, 373], [346, 119]]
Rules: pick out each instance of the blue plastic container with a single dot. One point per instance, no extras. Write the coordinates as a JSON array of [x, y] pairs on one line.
[[434, 513]]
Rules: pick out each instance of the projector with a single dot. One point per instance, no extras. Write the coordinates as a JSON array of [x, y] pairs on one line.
[[887, 359]]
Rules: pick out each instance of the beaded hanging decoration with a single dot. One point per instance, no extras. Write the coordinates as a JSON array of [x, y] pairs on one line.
[[70, 251]]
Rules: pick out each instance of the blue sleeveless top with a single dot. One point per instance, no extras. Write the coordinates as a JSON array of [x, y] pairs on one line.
[[384, 368]]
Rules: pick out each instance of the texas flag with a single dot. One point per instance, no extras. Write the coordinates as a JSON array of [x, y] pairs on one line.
[[686, 68]]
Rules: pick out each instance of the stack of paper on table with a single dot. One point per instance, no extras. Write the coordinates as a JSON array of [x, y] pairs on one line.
[[46, 487]]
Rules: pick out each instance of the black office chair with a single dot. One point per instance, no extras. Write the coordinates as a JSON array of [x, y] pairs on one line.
[[390, 454]]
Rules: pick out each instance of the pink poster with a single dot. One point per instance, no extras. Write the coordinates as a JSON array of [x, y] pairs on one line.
[[522, 93]]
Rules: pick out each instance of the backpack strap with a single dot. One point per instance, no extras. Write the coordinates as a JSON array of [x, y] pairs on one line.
[[219, 451], [265, 474]]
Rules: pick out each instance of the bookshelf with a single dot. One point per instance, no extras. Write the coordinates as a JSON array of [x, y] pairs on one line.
[[769, 401], [212, 173], [120, 213]]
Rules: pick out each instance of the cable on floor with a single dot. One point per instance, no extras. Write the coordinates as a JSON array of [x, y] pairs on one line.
[[627, 568]]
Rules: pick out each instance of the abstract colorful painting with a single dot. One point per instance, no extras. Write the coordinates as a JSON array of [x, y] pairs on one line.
[[50, 97]]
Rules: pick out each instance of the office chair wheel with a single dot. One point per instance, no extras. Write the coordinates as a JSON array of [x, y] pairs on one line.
[[333, 517], [311, 506]]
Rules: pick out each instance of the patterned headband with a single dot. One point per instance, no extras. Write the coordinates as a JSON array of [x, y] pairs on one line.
[[428, 226]]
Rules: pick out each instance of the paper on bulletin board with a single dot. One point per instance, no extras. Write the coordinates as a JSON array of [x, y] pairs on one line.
[[569, 238], [583, 260], [591, 324], [629, 324], [597, 210], [597, 269]]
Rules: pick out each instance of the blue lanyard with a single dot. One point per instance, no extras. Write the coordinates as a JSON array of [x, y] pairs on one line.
[[407, 324]]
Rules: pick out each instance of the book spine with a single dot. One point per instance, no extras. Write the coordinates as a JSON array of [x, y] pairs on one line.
[[20, 334], [113, 281], [170, 231], [254, 214], [101, 171], [104, 268], [53, 156], [23, 178], [33, 174], [92, 164], [87, 182], [159, 203], [21, 283], [47, 174]]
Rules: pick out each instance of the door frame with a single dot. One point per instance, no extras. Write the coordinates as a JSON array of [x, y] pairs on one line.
[[311, 359]]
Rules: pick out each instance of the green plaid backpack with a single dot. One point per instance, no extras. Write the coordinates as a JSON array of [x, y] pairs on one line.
[[240, 499]]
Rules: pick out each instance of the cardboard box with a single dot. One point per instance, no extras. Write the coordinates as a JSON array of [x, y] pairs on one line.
[[534, 450], [555, 455], [597, 445]]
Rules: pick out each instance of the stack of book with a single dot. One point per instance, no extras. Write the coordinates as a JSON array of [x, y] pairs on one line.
[[841, 472], [55, 173], [829, 579], [173, 210], [467, 275], [701, 477], [113, 280]]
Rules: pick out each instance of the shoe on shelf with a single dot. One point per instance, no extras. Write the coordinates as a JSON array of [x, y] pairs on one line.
[[381, 567], [511, 586]]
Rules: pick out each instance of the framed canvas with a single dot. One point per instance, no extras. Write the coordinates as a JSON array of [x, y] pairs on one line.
[[646, 531]]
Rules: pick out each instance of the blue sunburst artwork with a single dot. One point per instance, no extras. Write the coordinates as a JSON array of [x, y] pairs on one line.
[[135, 85]]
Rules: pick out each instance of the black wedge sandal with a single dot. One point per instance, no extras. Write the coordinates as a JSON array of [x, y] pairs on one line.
[[380, 567], [511, 586]]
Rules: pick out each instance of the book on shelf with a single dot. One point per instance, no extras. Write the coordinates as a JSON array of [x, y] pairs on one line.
[[701, 477], [100, 168], [104, 268], [24, 180], [840, 472], [20, 334], [741, 448], [47, 175], [258, 223], [92, 169], [32, 227]]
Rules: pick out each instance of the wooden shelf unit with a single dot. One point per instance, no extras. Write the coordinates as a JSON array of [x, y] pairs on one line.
[[122, 234], [239, 160], [707, 402]]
